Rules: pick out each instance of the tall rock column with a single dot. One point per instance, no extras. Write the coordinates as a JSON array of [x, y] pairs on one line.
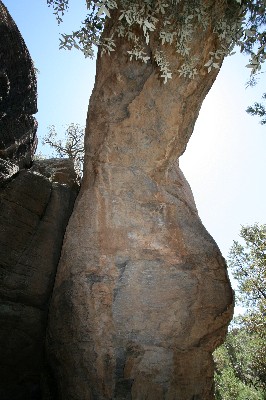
[[142, 295]]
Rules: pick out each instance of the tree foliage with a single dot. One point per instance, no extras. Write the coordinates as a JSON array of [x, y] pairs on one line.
[[241, 361], [236, 367], [248, 264], [259, 110], [171, 23]]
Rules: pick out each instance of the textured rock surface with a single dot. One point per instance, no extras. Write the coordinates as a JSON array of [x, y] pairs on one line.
[[142, 295], [18, 99], [34, 211], [35, 205]]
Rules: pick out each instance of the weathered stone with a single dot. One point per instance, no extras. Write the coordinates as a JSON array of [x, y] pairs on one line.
[[18, 97], [34, 212], [57, 170], [142, 295], [35, 206]]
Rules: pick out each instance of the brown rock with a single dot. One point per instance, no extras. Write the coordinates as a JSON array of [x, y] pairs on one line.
[[33, 215], [142, 295]]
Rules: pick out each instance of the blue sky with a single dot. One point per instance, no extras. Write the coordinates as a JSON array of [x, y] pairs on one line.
[[225, 159]]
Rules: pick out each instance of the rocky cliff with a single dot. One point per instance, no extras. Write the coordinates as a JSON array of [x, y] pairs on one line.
[[36, 200], [18, 99], [34, 211], [142, 295]]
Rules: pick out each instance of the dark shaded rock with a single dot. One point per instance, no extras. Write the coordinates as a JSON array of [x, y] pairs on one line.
[[35, 205], [34, 211], [18, 97]]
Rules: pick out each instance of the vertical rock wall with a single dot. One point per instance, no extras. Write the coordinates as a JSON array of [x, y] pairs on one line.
[[35, 205], [142, 295], [18, 99], [34, 212]]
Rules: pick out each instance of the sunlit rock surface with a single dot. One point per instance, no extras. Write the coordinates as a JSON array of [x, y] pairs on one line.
[[142, 295]]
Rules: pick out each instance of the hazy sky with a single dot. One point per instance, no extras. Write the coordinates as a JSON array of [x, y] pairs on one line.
[[225, 159]]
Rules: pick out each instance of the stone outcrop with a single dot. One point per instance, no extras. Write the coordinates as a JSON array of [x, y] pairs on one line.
[[35, 205], [142, 296], [18, 99], [34, 211]]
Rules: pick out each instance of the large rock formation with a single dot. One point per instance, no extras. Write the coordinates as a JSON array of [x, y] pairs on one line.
[[34, 212], [35, 205], [142, 295], [18, 99]]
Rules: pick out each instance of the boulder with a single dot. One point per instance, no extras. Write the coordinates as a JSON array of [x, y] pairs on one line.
[[142, 296], [36, 200], [34, 210], [18, 99]]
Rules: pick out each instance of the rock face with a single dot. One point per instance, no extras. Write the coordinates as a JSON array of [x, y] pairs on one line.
[[35, 205], [34, 212], [18, 99], [142, 295]]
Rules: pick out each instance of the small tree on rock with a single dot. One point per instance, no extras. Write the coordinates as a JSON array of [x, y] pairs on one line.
[[71, 146]]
